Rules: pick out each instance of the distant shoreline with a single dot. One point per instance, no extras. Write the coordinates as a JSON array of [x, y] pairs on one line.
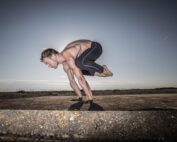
[[117, 90], [23, 93]]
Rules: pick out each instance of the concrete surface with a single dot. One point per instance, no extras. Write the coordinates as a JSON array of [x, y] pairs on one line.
[[92, 125]]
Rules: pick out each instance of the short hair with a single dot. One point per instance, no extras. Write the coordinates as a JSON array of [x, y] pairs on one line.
[[48, 53]]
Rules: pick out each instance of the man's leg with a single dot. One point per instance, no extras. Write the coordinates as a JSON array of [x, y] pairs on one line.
[[93, 67]]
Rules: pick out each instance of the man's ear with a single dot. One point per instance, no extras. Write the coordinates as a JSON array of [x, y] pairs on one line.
[[53, 57]]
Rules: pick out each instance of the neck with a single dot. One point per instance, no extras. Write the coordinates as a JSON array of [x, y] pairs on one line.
[[60, 58]]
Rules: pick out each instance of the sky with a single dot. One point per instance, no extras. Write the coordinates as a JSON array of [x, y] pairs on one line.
[[138, 37]]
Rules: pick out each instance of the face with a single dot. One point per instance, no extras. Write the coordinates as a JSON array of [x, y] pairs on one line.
[[51, 62]]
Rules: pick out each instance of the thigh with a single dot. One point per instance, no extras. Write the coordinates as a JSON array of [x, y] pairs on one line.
[[91, 54], [94, 53]]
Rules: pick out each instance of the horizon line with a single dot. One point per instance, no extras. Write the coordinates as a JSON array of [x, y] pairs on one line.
[[155, 88]]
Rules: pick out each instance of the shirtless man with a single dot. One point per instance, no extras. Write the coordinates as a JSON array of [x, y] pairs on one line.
[[78, 59]]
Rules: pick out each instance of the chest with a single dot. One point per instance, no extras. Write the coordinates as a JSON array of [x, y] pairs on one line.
[[69, 65]]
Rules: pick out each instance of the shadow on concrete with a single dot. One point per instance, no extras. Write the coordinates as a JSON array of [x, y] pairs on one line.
[[76, 106], [93, 106]]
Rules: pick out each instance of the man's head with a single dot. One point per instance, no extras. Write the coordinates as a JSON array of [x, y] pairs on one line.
[[49, 57]]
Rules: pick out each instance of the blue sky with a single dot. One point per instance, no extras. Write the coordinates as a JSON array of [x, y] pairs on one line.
[[139, 40]]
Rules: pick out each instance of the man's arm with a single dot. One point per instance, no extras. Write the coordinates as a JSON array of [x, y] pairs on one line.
[[73, 83], [83, 83]]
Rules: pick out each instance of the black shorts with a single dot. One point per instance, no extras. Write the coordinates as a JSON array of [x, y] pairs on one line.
[[86, 60]]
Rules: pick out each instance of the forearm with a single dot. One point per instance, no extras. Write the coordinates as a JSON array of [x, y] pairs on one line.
[[83, 83], [85, 86], [76, 88]]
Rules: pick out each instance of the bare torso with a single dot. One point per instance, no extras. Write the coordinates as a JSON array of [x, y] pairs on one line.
[[76, 48], [72, 51]]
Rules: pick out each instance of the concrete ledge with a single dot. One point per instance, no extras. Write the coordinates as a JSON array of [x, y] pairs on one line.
[[90, 125], [112, 102]]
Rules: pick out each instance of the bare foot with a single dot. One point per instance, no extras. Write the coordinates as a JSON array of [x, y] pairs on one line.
[[99, 74], [106, 71]]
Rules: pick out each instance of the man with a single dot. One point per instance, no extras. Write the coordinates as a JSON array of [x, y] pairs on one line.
[[78, 59]]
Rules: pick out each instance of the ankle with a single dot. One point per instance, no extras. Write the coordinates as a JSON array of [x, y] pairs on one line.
[[80, 98], [89, 101]]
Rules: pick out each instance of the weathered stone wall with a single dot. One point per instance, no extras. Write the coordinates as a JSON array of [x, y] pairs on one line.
[[90, 125]]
